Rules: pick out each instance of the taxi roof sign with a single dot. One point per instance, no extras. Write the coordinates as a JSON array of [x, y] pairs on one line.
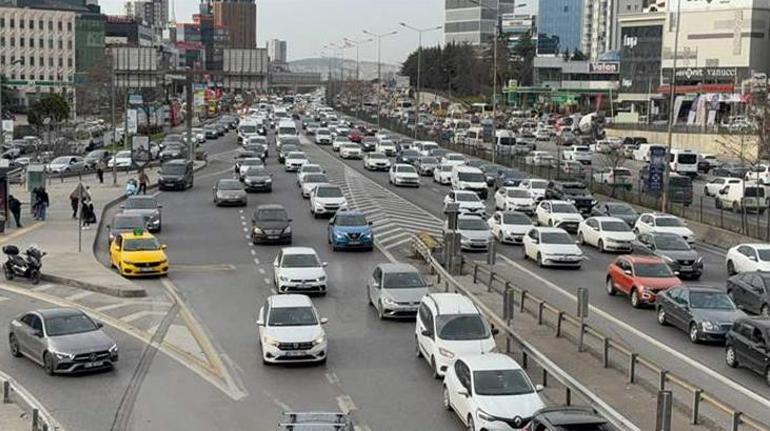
[[138, 232]]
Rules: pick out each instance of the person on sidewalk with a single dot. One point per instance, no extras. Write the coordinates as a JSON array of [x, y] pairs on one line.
[[35, 200], [75, 196], [143, 180], [43, 204], [87, 214], [14, 205], [131, 187], [100, 171]]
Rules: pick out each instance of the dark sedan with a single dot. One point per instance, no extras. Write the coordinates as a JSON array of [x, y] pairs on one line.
[[270, 224], [408, 157], [257, 179], [369, 144], [508, 178], [749, 290], [286, 149], [734, 170], [672, 248], [426, 165], [124, 223], [619, 210], [491, 172], [706, 313]]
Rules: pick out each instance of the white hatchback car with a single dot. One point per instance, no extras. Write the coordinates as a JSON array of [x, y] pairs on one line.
[[443, 174], [449, 325], [376, 162], [469, 202], [606, 234], [453, 159], [660, 222], [535, 186], [326, 199], [509, 226], [350, 151], [290, 330], [559, 214], [552, 246], [299, 269], [748, 258], [514, 199], [490, 392], [295, 160], [402, 174]]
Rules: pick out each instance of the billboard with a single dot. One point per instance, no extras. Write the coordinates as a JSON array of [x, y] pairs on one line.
[[604, 68]]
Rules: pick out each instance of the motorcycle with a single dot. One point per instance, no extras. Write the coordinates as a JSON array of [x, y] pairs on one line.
[[27, 267]]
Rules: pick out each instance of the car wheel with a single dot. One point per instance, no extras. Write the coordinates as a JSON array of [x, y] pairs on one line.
[[417, 351], [550, 222], [435, 368], [13, 344], [8, 273], [48, 363], [717, 203], [730, 358], [706, 191], [539, 260], [635, 298], [635, 231], [580, 238], [600, 246], [662, 316], [445, 398], [380, 313], [694, 335], [471, 426], [730, 268]]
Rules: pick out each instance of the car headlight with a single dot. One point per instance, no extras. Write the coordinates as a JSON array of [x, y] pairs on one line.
[[710, 326], [593, 201], [62, 355], [445, 353], [128, 262], [270, 341], [699, 260], [257, 230], [338, 235], [485, 416], [388, 301], [283, 278], [114, 349], [287, 230], [319, 340], [321, 278]]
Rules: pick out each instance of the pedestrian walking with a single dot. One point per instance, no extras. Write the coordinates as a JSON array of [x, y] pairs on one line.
[[100, 171], [14, 205], [131, 187], [44, 202], [87, 214], [79, 193], [35, 201], [143, 180]]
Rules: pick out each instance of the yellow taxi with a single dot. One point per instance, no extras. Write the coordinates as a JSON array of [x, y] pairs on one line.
[[138, 253]]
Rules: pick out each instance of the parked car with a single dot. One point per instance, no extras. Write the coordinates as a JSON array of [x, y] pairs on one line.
[[92, 159], [706, 313], [642, 278], [749, 291], [66, 164]]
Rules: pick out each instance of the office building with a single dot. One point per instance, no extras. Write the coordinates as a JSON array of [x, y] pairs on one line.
[[154, 13], [600, 24], [559, 26], [239, 18], [127, 31], [276, 50], [37, 52], [469, 22]]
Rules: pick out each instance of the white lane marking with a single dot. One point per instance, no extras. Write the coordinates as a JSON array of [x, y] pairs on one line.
[[396, 244], [78, 296], [273, 290], [140, 314], [43, 287], [279, 403], [345, 404], [686, 359], [261, 271], [245, 230], [125, 303], [267, 280], [332, 378], [3, 299], [247, 237], [240, 211], [253, 252], [256, 261], [435, 189], [243, 223]]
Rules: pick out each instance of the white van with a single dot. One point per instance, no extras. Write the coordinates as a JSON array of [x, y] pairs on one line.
[[248, 126], [470, 179], [642, 154], [684, 162], [474, 137], [505, 140], [426, 147], [280, 114], [748, 195], [287, 127]]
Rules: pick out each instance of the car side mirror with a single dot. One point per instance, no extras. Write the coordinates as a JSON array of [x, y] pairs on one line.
[[37, 333], [753, 258], [99, 324], [260, 322], [539, 388], [109, 227], [163, 247], [324, 263], [463, 392], [536, 241], [324, 320], [426, 333], [160, 206], [289, 220], [494, 331], [627, 271], [122, 207], [371, 223]]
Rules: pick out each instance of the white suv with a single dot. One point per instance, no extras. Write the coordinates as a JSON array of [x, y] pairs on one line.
[[327, 199], [290, 330], [490, 392], [559, 214], [469, 202], [402, 174], [606, 234], [298, 268], [659, 222], [449, 325]]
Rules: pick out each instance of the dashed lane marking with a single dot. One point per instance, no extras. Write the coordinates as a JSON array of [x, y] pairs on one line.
[[267, 280], [345, 403], [127, 303], [253, 252], [203, 268], [43, 287], [3, 299], [261, 271], [80, 295]]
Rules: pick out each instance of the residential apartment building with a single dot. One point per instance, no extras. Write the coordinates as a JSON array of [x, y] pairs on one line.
[[276, 50], [37, 51], [600, 27], [154, 13], [471, 22], [239, 18]]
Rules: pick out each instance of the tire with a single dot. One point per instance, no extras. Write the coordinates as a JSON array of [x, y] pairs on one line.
[[417, 351], [635, 231], [13, 345], [662, 317], [435, 368], [730, 358], [610, 288], [8, 274], [693, 333], [539, 260], [380, 314], [600, 246], [445, 399], [471, 426], [717, 203], [48, 364], [580, 238], [730, 268], [635, 302], [736, 207], [34, 276]]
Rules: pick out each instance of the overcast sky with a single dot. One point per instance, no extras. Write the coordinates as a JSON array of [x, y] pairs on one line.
[[307, 25]]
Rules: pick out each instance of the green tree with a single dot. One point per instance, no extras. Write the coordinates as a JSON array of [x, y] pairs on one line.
[[524, 55], [53, 106]]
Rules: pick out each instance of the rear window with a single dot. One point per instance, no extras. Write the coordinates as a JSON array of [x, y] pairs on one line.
[[680, 182], [687, 158], [753, 192]]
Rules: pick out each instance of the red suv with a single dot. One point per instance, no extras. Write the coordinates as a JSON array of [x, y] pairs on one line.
[[355, 136], [640, 277]]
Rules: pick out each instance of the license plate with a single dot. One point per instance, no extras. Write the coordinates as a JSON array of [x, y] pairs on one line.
[[92, 364], [146, 270], [296, 353], [272, 236], [353, 242], [685, 268]]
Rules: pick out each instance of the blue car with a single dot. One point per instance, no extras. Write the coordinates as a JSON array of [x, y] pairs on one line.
[[350, 230]]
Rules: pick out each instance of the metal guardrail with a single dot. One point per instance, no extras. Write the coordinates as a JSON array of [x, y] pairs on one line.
[[634, 362], [42, 420], [529, 352]]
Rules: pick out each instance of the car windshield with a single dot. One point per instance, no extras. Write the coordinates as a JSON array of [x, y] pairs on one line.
[[311, 169], [429, 161], [402, 280], [621, 209], [257, 171], [273, 214], [329, 192], [377, 156], [668, 222], [248, 129], [140, 204], [711, 301], [323, 132], [300, 261], [229, 185], [671, 242], [288, 148], [653, 270], [615, 226], [461, 327], [516, 218], [292, 316], [296, 155], [466, 197], [350, 220], [128, 222], [564, 209], [287, 131], [409, 153], [575, 189], [538, 184], [405, 169], [455, 157], [173, 169], [71, 324], [141, 244], [251, 162], [556, 238], [445, 168], [519, 193], [471, 223], [501, 382], [471, 177], [315, 179]]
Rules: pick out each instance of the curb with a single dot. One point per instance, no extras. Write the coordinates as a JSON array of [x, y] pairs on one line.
[[107, 290]]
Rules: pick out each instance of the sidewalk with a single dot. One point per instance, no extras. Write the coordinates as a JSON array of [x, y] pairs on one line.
[[59, 234], [13, 418]]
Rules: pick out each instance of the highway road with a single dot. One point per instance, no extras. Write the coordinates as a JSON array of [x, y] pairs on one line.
[[702, 364]]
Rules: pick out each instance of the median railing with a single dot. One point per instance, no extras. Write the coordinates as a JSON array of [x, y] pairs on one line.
[[528, 353], [14, 393], [702, 406]]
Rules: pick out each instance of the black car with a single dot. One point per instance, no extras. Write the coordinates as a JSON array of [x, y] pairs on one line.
[[96, 156], [619, 210], [211, 132], [369, 144], [409, 157], [568, 418], [730, 169], [491, 172], [173, 150], [270, 224], [259, 149], [124, 223], [286, 149], [257, 179], [476, 163], [176, 175], [706, 313], [748, 345], [749, 290], [571, 191], [508, 177], [674, 250]]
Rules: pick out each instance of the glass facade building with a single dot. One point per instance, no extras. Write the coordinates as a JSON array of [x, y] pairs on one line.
[[559, 25], [640, 58]]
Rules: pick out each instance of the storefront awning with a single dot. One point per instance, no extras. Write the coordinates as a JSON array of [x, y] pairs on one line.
[[699, 88]]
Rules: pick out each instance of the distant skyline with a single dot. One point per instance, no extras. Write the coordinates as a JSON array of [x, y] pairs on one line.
[[307, 25]]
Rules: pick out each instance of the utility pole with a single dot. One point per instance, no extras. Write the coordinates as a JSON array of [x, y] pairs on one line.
[[357, 44], [671, 116], [189, 116], [379, 38], [114, 118], [419, 31], [495, 40]]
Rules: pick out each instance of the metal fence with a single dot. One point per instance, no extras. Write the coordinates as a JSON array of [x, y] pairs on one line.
[[515, 343], [13, 393]]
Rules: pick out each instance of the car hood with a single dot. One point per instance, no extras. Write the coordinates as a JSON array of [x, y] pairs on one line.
[[146, 213], [472, 185], [459, 347], [303, 273], [171, 176], [520, 201], [717, 316], [681, 231], [353, 229], [562, 217], [510, 406], [518, 229], [658, 283], [630, 219], [407, 174], [144, 256], [679, 254], [475, 234], [257, 178], [271, 225], [332, 201], [230, 193], [294, 334], [471, 205], [405, 295], [560, 249], [621, 236], [83, 342]]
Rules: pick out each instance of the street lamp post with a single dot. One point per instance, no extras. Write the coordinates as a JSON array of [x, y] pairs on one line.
[[419, 31], [2, 131], [379, 38], [671, 114]]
